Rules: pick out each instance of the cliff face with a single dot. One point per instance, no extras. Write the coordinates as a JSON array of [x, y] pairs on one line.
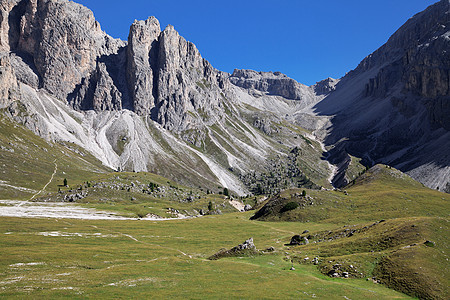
[[417, 57], [60, 40], [185, 83], [8, 83], [142, 59], [393, 108], [272, 83], [63, 50]]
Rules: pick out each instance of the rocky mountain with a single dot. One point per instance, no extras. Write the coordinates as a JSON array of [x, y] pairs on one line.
[[152, 103], [394, 107]]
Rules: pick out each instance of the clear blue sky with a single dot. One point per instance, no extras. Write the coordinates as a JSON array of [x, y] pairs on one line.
[[308, 40]]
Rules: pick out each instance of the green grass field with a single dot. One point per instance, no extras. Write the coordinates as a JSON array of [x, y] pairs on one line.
[[134, 259]]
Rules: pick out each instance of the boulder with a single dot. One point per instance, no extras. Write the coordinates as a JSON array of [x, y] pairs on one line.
[[247, 248], [299, 240]]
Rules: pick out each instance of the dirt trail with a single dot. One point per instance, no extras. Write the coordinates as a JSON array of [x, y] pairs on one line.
[[45, 186]]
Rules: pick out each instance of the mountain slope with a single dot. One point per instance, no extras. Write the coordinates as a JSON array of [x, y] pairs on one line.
[[152, 103], [149, 104], [394, 107]]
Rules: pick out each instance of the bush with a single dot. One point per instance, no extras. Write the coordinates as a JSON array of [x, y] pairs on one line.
[[289, 206]]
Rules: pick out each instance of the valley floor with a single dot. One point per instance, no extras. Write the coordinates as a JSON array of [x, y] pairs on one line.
[[50, 257]]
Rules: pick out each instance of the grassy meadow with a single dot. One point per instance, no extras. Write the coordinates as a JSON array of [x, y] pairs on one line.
[[162, 259]]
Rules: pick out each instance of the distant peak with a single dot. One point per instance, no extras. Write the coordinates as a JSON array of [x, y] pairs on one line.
[[252, 74], [325, 86], [151, 22]]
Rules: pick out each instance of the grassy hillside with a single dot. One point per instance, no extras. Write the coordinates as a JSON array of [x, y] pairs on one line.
[[387, 226], [28, 162], [379, 193], [140, 194]]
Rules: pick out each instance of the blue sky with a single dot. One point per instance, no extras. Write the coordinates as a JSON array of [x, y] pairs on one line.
[[307, 40]]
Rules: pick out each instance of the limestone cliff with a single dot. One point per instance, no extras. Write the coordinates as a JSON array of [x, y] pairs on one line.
[[8, 82], [142, 59], [394, 107], [138, 102], [417, 57], [273, 83]]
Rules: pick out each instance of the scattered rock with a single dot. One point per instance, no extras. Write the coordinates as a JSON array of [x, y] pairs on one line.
[[315, 260], [247, 207], [299, 240], [247, 248]]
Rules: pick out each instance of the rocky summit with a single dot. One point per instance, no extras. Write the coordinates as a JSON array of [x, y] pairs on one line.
[[152, 103]]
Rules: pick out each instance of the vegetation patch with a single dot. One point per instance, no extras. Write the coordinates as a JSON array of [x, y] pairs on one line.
[[289, 206]]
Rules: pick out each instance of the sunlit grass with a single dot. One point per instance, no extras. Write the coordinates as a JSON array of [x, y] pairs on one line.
[[125, 259]]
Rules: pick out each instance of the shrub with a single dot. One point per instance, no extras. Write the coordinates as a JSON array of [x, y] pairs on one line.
[[289, 206]]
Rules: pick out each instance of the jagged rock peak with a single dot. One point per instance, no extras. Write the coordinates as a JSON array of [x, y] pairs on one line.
[[60, 40], [142, 58], [186, 82], [325, 86], [274, 83], [423, 27]]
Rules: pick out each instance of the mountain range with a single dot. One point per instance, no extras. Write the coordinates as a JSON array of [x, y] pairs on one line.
[[152, 103]]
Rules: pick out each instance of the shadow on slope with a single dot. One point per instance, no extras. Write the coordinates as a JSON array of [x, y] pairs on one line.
[[393, 108]]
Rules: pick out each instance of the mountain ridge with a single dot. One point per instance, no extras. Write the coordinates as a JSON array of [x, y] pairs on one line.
[[165, 105]]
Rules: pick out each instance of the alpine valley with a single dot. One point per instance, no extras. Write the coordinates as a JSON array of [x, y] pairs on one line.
[[125, 166]]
